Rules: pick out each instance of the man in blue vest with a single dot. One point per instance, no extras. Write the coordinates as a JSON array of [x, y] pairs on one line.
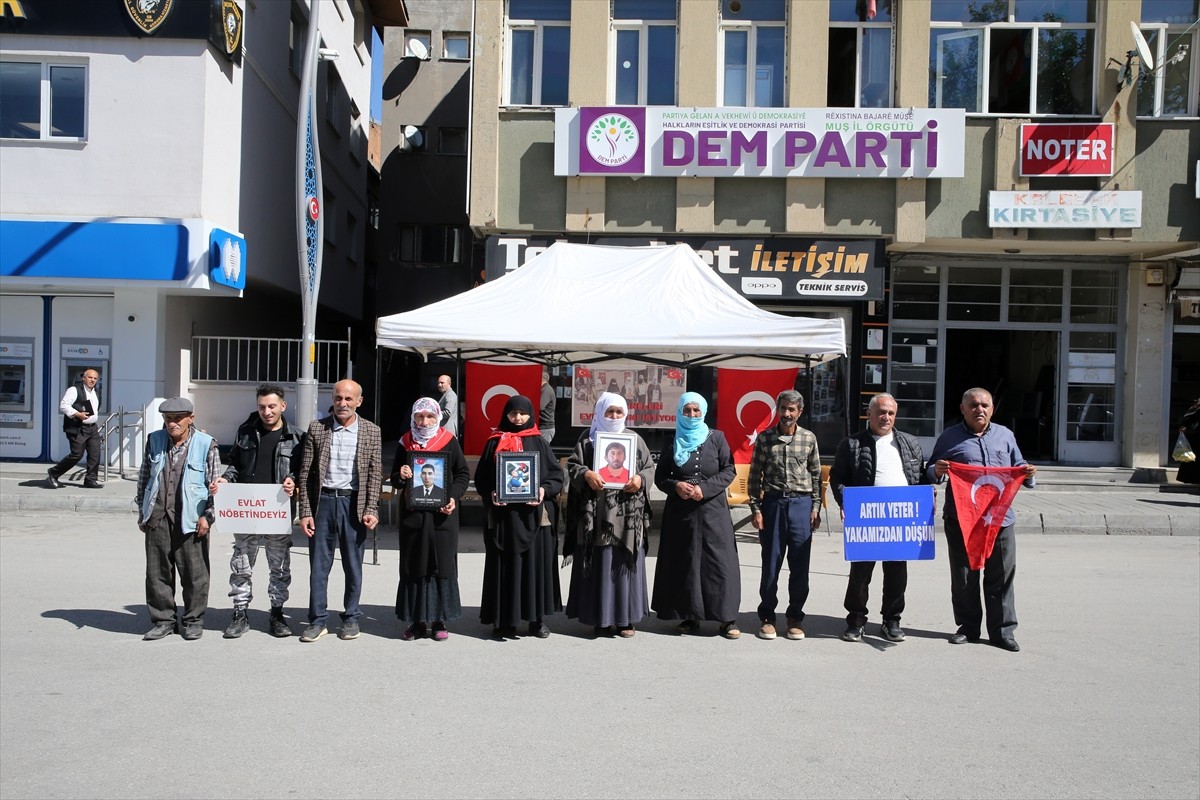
[[80, 408], [175, 510]]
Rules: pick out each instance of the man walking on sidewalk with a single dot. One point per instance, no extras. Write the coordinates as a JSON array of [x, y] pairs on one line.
[[80, 407], [340, 479], [266, 446], [878, 456], [785, 503]]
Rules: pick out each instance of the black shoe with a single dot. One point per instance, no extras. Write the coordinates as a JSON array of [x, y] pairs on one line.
[[962, 637], [238, 625], [93, 485], [891, 631], [52, 480], [349, 629], [505, 633], [539, 629], [193, 630], [689, 627], [1007, 643], [603, 632], [159, 631], [313, 632], [277, 625], [853, 633]]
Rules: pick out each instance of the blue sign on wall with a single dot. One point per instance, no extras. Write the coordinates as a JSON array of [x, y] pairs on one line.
[[137, 251], [227, 259], [888, 523]]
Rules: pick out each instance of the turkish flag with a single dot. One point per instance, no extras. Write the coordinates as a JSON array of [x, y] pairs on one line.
[[488, 388], [982, 496], [747, 405]]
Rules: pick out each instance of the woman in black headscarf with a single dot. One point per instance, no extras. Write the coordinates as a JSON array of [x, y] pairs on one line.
[[520, 569]]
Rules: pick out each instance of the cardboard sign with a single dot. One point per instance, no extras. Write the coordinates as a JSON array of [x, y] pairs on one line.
[[889, 523], [252, 508]]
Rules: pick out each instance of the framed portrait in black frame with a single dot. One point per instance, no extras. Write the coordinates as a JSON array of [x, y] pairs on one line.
[[615, 458], [427, 488], [517, 477]]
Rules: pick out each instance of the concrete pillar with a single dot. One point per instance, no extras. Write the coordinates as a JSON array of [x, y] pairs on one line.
[[695, 203], [487, 66], [588, 87], [1145, 363], [912, 90], [1008, 170]]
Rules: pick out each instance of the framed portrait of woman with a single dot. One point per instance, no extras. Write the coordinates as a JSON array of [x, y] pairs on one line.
[[614, 458], [517, 477], [427, 487]]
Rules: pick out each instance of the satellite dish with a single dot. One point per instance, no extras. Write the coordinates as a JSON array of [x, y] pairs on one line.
[[411, 138], [417, 49], [1143, 47]]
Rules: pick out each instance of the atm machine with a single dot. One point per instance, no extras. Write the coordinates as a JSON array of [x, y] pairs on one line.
[[16, 382], [77, 357]]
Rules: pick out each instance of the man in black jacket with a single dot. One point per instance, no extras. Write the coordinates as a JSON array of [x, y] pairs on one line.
[[878, 456], [264, 451], [80, 407]]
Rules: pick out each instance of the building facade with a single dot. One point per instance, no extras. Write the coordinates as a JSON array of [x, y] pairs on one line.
[[148, 199], [1020, 181]]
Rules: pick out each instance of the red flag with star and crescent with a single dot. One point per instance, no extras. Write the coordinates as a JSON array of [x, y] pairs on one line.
[[982, 496], [747, 405]]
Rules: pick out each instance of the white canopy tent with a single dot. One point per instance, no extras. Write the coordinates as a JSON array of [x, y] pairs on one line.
[[578, 303]]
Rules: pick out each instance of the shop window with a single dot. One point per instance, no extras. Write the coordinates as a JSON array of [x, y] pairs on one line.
[[539, 52], [1035, 295], [914, 360], [644, 50], [915, 292], [1091, 386], [1094, 294], [860, 54], [1015, 57], [1170, 88], [41, 100], [456, 46], [337, 102], [752, 53], [973, 293]]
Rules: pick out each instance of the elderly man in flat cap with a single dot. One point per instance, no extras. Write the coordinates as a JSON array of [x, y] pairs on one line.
[[175, 510]]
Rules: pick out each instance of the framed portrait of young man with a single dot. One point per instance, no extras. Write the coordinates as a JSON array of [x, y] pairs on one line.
[[517, 477], [426, 489], [615, 458]]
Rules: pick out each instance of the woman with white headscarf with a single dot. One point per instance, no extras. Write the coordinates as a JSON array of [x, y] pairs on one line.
[[697, 576], [606, 530], [427, 596]]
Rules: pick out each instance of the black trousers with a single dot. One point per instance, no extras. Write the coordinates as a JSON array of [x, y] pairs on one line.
[[999, 599], [81, 442], [895, 581]]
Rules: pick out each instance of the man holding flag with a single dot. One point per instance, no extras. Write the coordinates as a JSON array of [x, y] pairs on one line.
[[986, 469]]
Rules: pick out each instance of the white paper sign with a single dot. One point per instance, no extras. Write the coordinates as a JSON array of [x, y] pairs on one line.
[[252, 508]]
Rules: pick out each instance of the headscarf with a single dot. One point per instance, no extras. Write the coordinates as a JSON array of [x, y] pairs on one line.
[[602, 423], [509, 434], [690, 432], [430, 437]]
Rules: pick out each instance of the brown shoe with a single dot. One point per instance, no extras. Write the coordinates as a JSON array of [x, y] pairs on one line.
[[626, 632], [730, 630], [767, 631], [794, 631]]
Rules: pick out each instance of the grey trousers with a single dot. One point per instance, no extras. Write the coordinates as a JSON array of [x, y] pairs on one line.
[[241, 566], [168, 551]]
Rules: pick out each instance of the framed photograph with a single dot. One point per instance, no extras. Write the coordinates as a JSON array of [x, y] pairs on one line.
[[426, 489], [517, 477], [615, 458]]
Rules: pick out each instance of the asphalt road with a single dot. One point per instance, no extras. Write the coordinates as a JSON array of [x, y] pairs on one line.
[[1103, 700]]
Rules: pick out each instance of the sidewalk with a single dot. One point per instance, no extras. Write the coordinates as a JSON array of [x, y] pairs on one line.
[[1067, 500]]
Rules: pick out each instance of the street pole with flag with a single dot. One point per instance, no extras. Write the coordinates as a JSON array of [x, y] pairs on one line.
[[310, 222]]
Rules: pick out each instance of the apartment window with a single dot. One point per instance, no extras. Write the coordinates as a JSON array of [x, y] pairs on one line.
[[452, 141], [860, 54], [430, 244], [373, 211], [337, 102], [644, 52], [355, 239], [329, 213], [1015, 57], [1170, 89], [456, 46], [43, 101], [416, 44], [297, 41], [539, 52], [752, 51]]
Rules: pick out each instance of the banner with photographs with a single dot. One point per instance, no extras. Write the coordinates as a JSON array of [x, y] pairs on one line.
[[651, 391]]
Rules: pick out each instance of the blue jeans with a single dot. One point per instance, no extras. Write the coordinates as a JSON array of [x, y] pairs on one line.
[[337, 528], [787, 528]]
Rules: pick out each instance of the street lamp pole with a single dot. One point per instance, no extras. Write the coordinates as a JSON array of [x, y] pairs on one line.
[[310, 221]]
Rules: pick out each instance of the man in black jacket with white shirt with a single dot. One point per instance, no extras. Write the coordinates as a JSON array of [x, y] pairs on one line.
[[878, 456], [80, 407]]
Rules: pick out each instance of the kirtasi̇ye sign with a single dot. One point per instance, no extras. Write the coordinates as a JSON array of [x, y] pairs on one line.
[[1065, 209], [759, 142], [757, 267], [1061, 149]]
